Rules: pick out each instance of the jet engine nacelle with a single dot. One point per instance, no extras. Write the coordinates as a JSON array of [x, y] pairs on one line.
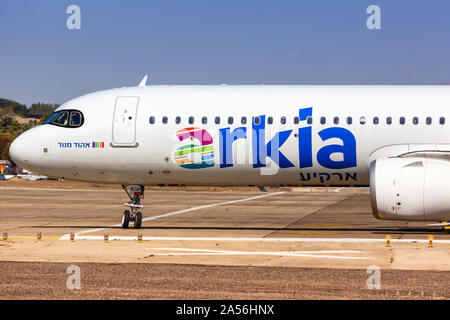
[[410, 189]]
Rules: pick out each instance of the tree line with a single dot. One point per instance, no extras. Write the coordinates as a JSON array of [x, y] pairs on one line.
[[10, 127], [37, 110]]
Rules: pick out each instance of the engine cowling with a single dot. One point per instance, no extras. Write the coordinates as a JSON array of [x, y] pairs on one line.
[[414, 189]]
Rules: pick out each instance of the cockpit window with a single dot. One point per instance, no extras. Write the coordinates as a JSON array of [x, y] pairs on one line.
[[61, 119], [50, 118], [66, 118], [75, 119]]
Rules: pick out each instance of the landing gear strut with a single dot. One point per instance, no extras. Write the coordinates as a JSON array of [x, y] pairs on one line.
[[133, 215]]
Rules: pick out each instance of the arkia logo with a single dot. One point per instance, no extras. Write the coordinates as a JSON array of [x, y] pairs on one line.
[[197, 152], [196, 149]]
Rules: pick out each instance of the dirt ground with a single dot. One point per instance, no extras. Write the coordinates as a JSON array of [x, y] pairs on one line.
[[39, 280]]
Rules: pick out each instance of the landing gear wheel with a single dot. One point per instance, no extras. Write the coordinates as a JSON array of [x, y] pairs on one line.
[[138, 220], [126, 219], [133, 215]]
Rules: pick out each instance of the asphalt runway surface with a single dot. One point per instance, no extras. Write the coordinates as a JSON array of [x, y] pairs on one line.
[[310, 243]]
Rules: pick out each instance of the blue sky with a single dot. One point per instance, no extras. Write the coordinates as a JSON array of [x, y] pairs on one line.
[[213, 42]]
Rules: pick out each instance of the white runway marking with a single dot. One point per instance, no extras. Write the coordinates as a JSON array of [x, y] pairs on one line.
[[338, 189], [307, 254], [183, 211], [237, 239], [297, 252]]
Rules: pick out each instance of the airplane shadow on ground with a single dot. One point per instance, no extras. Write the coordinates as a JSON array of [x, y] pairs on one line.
[[374, 230]]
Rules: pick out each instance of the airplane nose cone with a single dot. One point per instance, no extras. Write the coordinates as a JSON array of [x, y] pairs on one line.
[[29, 152], [18, 151]]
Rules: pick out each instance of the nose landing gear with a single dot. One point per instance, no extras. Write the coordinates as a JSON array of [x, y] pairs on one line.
[[133, 215]]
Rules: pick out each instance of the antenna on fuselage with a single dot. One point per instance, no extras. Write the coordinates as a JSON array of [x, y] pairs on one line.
[[143, 82]]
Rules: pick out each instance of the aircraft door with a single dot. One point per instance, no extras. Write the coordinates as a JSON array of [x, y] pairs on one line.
[[124, 123]]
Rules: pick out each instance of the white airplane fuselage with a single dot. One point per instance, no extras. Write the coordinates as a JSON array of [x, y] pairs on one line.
[[124, 138], [394, 138]]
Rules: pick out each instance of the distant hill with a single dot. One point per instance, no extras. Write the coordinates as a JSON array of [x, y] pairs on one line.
[[37, 110], [23, 120], [16, 118], [13, 106]]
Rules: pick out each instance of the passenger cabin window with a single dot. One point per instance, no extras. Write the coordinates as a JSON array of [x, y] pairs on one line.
[[191, 120], [243, 120], [296, 120], [402, 120], [376, 120], [256, 120], [362, 120], [66, 118], [336, 120], [283, 120], [349, 120], [415, 120], [323, 120], [230, 120], [388, 120], [204, 120], [217, 120], [309, 120], [428, 120], [441, 120], [178, 120], [151, 120], [269, 120], [165, 120]]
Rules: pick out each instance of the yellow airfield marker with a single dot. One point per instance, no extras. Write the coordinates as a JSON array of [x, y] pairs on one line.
[[39, 236], [105, 237], [388, 240], [430, 240], [139, 238], [72, 237], [5, 236]]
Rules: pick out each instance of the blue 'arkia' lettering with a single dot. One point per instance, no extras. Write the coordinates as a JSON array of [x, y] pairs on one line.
[[261, 150], [226, 140], [348, 149], [305, 140]]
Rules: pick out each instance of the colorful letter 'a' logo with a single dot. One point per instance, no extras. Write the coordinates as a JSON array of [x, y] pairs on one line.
[[196, 151]]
